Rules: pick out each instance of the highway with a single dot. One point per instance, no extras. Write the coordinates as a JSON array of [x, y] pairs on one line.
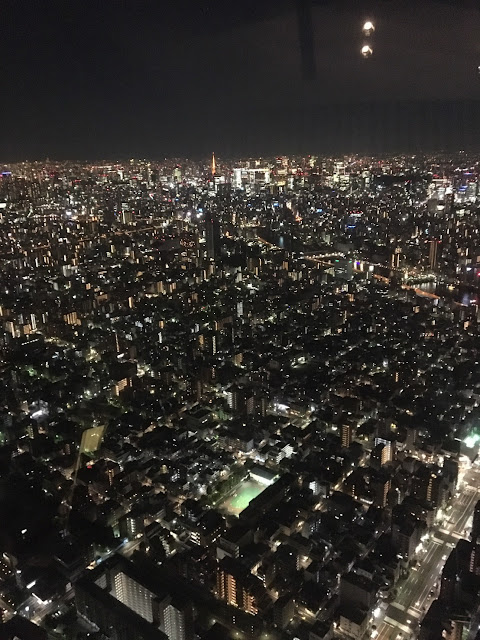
[[416, 592]]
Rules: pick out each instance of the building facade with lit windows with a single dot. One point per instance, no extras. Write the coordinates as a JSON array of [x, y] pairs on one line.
[[238, 587]]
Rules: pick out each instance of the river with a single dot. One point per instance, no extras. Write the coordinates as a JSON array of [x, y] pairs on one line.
[[460, 294]]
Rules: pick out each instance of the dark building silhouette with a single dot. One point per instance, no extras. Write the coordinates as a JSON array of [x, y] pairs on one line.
[[212, 235], [476, 522]]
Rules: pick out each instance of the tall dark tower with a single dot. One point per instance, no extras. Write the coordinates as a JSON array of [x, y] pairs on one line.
[[212, 235], [432, 254], [476, 523]]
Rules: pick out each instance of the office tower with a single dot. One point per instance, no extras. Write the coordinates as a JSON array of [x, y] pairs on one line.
[[471, 192], [450, 473], [432, 254], [212, 236], [449, 200]]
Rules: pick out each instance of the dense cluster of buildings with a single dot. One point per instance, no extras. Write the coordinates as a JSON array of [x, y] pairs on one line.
[[240, 399]]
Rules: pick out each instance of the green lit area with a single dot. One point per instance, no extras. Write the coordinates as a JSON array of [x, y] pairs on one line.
[[244, 493], [472, 440]]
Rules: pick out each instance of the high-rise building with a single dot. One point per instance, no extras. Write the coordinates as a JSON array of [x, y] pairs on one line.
[[116, 620], [381, 455], [284, 610], [347, 435], [251, 179], [380, 486], [388, 452], [406, 535], [474, 564], [125, 603], [177, 619], [133, 594], [429, 485], [432, 254], [449, 579], [238, 587], [212, 236], [227, 583], [395, 258], [475, 534]]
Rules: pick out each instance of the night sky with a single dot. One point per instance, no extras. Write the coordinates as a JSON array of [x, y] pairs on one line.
[[113, 78]]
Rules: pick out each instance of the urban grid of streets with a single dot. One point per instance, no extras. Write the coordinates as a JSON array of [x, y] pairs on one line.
[[267, 316], [400, 618]]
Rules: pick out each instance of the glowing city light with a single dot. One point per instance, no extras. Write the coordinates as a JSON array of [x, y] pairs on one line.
[[472, 440]]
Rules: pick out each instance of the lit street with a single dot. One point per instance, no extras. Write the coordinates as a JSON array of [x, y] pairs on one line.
[[416, 593]]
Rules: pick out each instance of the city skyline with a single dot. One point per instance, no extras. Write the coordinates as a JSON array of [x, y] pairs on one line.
[[240, 320], [239, 399]]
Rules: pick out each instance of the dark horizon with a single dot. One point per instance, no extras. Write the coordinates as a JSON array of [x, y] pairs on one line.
[[342, 129], [95, 80]]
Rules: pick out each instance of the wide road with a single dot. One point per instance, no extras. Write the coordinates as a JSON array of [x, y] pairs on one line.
[[415, 594]]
